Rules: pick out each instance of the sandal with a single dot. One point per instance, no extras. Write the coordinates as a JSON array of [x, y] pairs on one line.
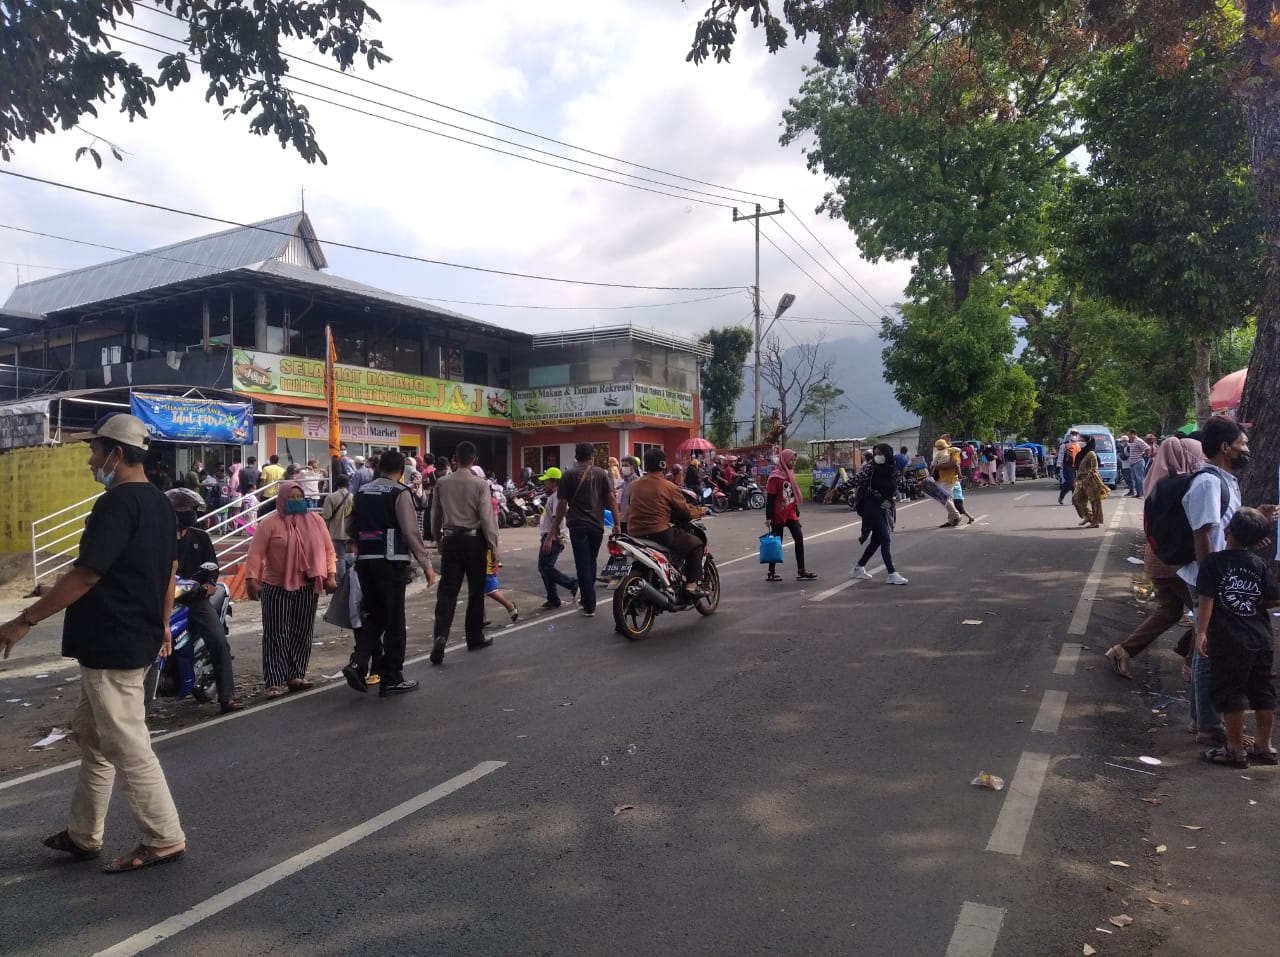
[[805, 576], [62, 842], [771, 577], [300, 684], [275, 691], [1232, 759], [1261, 756], [141, 856], [1120, 661]]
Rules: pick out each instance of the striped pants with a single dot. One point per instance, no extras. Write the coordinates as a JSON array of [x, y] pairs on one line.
[[288, 625]]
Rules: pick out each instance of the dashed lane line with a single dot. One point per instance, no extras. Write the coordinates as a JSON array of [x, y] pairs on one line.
[[1084, 607], [158, 933], [1049, 716], [1019, 498], [977, 930], [1068, 658], [1010, 833]]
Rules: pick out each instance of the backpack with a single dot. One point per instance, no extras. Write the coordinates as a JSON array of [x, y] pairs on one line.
[[1164, 521], [1069, 456]]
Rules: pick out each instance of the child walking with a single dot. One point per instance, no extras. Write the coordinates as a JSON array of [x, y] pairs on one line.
[[1233, 627], [491, 587]]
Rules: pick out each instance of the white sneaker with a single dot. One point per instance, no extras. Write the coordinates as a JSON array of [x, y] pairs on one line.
[[895, 579], [857, 571]]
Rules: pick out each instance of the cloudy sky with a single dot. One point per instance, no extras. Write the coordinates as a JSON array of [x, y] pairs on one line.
[[606, 75]]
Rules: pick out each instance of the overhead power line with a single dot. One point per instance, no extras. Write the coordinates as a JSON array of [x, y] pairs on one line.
[[849, 292], [807, 275], [486, 119], [392, 254], [805, 226]]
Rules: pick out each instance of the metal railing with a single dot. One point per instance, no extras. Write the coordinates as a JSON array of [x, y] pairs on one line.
[[55, 538]]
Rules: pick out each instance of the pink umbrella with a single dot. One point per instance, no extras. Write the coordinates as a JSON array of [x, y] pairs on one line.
[[1227, 392], [696, 444]]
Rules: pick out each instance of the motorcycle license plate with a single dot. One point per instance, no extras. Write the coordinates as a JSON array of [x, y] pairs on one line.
[[617, 567]]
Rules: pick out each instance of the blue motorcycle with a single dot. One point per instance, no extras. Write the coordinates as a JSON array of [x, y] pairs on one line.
[[188, 671]]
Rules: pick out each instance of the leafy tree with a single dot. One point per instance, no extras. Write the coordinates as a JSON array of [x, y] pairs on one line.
[[953, 367], [792, 376], [824, 402], [722, 380], [1164, 24], [57, 63], [1165, 222]]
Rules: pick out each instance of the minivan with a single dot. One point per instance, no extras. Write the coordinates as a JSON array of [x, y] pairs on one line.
[[1105, 445]]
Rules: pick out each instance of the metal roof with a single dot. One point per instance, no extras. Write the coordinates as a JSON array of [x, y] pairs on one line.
[[577, 337], [181, 262]]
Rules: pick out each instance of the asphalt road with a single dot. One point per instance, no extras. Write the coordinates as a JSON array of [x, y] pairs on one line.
[[789, 776]]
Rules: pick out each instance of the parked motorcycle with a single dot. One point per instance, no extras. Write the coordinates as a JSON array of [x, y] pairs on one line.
[[188, 670], [746, 493], [715, 499], [651, 583]]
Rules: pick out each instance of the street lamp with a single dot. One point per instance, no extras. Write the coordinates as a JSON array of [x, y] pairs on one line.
[[784, 304]]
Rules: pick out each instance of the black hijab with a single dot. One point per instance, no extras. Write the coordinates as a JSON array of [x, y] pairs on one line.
[[884, 478]]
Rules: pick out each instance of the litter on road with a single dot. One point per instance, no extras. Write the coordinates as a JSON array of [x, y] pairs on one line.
[[989, 781], [49, 740]]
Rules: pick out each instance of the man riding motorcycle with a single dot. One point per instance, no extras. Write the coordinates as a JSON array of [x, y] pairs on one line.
[[195, 548], [656, 508]]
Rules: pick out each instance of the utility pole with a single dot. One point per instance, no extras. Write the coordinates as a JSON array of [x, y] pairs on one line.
[[756, 217]]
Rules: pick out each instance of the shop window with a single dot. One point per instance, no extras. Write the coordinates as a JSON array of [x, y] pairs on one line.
[[545, 376], [640, 448], [540, 458], [350, 348], [408, 356], [600, 454], [475, 367]]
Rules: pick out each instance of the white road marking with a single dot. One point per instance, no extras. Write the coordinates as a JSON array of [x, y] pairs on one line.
[[1080, 618], [1050, 714], [158, 933], [980, 519], [835, 590], [1019, 498], [1068, 658], [977, 929], [1014, 822]]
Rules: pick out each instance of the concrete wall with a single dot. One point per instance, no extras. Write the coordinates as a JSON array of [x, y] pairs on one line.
[[36, 482]]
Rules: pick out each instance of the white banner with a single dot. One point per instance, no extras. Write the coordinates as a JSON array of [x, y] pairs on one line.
[[572, 404]]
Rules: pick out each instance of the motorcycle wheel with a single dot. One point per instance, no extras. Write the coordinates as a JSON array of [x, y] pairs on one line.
[[516, 520], [502, 518], [711, 585], [719, 503], [202, 690], [756, 500], [633, 614], [852, 503]]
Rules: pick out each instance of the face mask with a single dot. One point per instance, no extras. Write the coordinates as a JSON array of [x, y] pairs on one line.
[[186, 519], [627, 470], [773, 459], [879, 460], [1242, 461], [296, 506], [105, 478]]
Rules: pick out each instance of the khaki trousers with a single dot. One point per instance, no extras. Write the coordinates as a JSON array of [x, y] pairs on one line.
[[111, 727]]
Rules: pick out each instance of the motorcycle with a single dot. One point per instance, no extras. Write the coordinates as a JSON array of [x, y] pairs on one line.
[[188, 670], [509, 516], [746, 493], [651, 583], [715, 499]]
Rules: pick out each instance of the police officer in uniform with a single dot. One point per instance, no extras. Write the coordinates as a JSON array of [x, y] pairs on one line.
[[463, 522], [384, 528]]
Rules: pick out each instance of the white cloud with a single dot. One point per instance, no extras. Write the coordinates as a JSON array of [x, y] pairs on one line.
[[606, 74]]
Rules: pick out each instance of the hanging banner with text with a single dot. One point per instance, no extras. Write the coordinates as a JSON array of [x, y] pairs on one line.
[[659, 403], [572, 404], [24, 425], [187, 419], [290, 377]]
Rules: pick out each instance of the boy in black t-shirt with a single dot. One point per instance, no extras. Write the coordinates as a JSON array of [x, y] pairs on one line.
[[1233, 628]]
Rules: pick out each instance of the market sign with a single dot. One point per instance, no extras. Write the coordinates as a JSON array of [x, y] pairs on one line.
[[659, 403], [187, 419], [291, 377], [572, 404], [316, 429], [24, 425]]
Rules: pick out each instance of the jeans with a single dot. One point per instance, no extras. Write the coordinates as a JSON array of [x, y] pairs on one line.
[[585, 541], [552, 576], [1138, 468], [461, 556], [202, 622], [382, 635], [111, 728], [345, 562], [1208, 721], [878, 523], [1068, 483]]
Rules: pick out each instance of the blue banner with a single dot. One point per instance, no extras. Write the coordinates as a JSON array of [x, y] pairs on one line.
[[181, 419]]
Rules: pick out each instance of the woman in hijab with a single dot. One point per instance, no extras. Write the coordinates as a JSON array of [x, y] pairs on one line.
[[1089, 490], [876, 486], [290, 561], [782, 510], [1176, 456]]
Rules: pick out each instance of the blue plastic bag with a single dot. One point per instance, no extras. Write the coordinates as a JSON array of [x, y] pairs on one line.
[[770, 549], [608, 518]]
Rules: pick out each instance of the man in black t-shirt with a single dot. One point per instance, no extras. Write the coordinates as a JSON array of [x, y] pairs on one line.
[[118, 597], [250, 476], [585, 493], [1233, 627]]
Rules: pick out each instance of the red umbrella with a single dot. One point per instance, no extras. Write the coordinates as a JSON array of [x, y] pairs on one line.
[[1227, 392], [696, 444]]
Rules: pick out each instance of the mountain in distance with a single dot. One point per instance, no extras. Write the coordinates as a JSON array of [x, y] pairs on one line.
[[857, 368]]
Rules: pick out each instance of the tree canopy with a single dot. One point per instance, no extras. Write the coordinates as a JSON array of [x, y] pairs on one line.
[[721, 380], [58, 62]]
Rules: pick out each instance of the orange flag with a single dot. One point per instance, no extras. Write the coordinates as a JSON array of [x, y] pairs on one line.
[[331, 395]]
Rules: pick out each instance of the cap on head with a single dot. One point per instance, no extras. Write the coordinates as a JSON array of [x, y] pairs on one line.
[[551, 474], [119, 427], [359, 460], [183, 499]]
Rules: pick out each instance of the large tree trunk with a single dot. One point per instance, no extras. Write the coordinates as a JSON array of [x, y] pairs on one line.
[[930, 428], [1260, 96], [1200, 383]]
